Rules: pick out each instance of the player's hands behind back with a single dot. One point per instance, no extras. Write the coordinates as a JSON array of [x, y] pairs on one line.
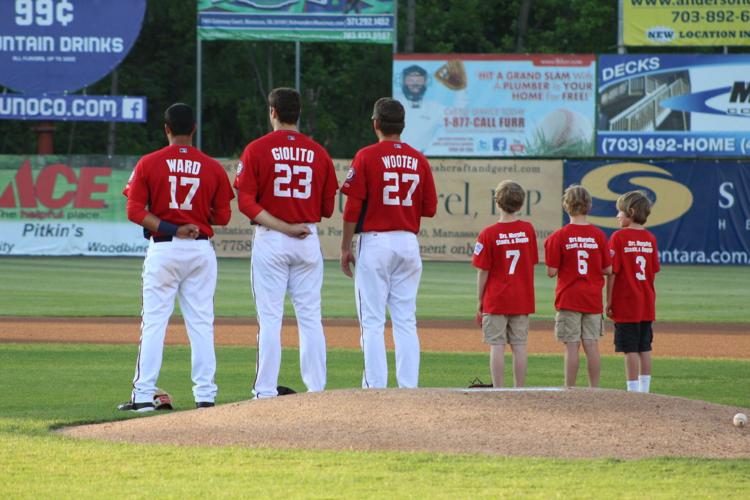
[[188, 232], [300, 231]]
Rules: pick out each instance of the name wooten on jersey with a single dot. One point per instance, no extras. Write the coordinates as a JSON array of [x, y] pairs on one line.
[[400, 161]]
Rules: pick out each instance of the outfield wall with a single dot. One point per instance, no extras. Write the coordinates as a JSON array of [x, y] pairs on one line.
[[74, 206]]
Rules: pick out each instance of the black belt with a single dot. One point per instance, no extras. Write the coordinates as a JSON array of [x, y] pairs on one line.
[[162, 239]]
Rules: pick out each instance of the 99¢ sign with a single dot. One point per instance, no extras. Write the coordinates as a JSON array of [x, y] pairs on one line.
[[56, 46], [43, 12]]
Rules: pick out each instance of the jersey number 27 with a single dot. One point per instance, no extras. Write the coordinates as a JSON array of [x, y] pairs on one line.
[[392, 188]]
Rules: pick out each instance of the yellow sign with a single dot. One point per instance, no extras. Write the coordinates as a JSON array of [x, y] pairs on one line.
[[465, 207], [672, 198], [675, 23]]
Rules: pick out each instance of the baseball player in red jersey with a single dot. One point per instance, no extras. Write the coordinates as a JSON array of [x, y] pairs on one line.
[[176, 194], [286, 183], [505, 255], [389, 189], [578, 255], [631, 297]]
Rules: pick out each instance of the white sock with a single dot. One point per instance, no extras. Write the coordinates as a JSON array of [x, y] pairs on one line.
[[644, 383], [632, 386]]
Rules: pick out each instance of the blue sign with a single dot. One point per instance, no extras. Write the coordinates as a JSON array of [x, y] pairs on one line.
[[701, 211], [54, 46], [93, 108], [673, 105]]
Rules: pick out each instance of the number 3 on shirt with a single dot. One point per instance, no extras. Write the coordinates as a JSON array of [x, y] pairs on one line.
[[641, 262], [187, 204], [393, 187]]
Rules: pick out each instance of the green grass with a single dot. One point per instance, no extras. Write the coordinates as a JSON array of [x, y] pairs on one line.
[[49, 385], [33, 286]]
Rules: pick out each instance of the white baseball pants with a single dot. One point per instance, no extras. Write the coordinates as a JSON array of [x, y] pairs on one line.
[[186, 269], [280, 265], [387, 273]]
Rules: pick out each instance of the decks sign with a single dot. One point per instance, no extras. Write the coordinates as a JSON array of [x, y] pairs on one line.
[[673, 105]]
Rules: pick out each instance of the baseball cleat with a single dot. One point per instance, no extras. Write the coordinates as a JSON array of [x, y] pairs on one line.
[[204, 404], [137, 407]]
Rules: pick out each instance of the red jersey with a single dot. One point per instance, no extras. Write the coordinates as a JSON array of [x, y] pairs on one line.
[[389, 187], [580, 253], [181, 185], [635, 262], [508, 251], [287, 174]]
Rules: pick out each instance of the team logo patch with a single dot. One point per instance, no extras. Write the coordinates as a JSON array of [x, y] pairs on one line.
[[478, 248], [291, 138], [397, 146], [239, 168], [350, 174], [611, 252], [183, 150]]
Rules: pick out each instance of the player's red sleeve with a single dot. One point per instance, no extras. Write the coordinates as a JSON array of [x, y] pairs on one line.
[[137, 193], [354, 184], [534, 245], [657, 268], [329, 190], [429, 197], [552, 251], [221, 211], [352, 209], [481, 258], [247, 187], [613, 253]]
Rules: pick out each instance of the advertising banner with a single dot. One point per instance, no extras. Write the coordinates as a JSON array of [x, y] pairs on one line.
[[678, 23], [92, 108], [497, 105], [701, 211], [74, 206], [371, 21], [53, 205], [52, 46], [465, 207], [674, 105]]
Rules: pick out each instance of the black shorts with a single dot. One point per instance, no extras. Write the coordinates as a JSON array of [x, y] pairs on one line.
[[633, 337]]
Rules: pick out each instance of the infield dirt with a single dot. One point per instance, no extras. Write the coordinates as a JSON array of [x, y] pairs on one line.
[[726, 340]]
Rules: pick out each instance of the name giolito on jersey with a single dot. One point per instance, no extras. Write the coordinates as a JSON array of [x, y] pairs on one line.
[[293, 154]]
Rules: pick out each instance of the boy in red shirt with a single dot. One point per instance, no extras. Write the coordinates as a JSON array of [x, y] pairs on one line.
[[505, 255], [577, 254], [631, 298]]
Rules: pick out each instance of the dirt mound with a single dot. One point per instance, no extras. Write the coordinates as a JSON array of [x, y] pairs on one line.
[[542, 422]]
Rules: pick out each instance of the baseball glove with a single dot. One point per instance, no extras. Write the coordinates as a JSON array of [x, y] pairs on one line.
[[477, 383], [162, 400], [452, 74]]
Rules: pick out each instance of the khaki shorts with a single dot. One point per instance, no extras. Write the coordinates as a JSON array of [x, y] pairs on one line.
[[500, 329], [572, 326]]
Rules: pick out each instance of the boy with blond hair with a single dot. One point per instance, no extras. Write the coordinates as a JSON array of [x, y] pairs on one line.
[[631, 297], [577, 254], [505, 255]]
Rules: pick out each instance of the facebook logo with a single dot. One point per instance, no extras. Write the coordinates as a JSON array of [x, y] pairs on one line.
[[133, 108], [499, 144]]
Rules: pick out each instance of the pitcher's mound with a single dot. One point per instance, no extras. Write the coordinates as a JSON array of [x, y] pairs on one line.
[[571, 423]]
